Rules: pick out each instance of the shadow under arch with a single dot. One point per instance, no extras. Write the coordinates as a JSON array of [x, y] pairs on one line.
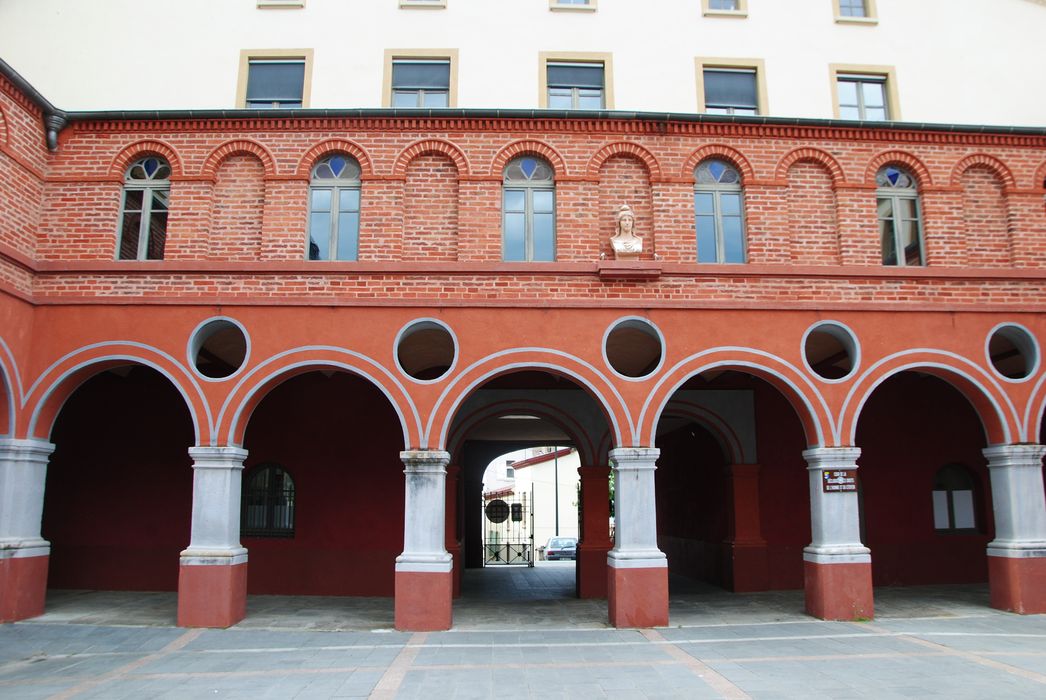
[[57, 383], [255, 385], [806, 400], [717, 426], [994, 409], [555, 362]]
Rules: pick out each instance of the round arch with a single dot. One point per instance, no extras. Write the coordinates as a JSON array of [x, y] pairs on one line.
[[140, 149], [1035, 413], [990, 402], [1039, 184], [811, 155], [714, 150], [236, 148], [585, 443], [525, 147], [805, 398], [3, 127], [259, 381], [624, 148], [11, 386], [431, 147], [334, 146], [716, 425], [918, 168], [985, 161], [596, 384], [55, 385]]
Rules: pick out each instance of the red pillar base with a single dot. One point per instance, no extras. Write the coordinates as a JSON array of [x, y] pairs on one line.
[[637, 597], [839, 591], [424, 601], [1018, 585], [459, 558], [23, 587], [591, 570], [746, 566], [212, 596]]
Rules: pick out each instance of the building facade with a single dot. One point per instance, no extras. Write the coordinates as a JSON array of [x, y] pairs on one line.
[[272, 350]]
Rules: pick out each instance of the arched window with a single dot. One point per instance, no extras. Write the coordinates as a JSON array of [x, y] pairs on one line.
[[719, 213], [529, 214], [143, 211], [954, 507], [267, 503], [334, 209], [900, 225]]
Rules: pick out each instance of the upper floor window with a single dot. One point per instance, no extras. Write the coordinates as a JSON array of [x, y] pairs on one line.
[[267, 503], [862, 97], [143, 211], [719, 213], [572, 4], [280, 4], [900, 224], [953, 500], [855, 11], [438, 4], [334, 209], [730, 91], [725, 7], [529, 213], [421, 83], [275, 83], [575, 85]]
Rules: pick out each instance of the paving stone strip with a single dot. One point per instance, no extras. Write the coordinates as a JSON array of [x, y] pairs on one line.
[[390, 682], [704, 672]]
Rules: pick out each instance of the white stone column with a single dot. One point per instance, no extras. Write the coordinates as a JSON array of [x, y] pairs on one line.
[[835, 517], [217, 482], [1017, 500], [635, 510], [424, 516], [23, 472]]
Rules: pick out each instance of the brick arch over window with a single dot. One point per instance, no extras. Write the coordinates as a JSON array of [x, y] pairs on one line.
[[717, 150], [984, 161], [3, 128], [1040, 178], [985, 211], [624, 148], [237, 216], [140, 149], [430, 147], [813, 212], [330, 146], [814, 155], [906, 160], [235, 148], [533, 148]]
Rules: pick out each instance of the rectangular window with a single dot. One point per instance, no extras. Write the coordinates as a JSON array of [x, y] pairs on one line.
[[855, 11], [276, 79], [271, 4], [421, 83], [852, 8], [572, 4], [726, 8], [730, 91], [575, 86], [438, 4], [862, 97]]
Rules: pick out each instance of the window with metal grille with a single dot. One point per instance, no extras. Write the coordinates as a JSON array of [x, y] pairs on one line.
[[267, 503], [143, 212]]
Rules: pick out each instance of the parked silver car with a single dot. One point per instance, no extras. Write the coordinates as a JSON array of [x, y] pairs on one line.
[[561, 548]]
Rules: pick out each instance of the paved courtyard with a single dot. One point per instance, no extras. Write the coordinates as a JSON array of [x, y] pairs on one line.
[[519, 634]]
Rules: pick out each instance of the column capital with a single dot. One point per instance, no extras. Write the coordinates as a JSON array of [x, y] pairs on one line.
[[831, 457], [420, 461], [1026, 455], [25, 450], [634, 458], [217, 457]]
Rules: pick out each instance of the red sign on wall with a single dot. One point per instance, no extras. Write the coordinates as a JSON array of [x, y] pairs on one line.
[[839, 480]]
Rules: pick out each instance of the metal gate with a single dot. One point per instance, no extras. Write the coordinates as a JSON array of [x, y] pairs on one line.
[[508, 530]]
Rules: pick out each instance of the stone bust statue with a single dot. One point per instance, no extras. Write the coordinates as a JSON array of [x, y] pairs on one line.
[[625, 242]]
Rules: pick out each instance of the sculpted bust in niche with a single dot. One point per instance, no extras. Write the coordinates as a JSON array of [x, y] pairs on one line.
[[625, 242]]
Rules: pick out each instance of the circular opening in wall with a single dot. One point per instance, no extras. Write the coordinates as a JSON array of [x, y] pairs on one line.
[[1012, 352], [830, 351], [426, 350], [218, 348], [634, 348]]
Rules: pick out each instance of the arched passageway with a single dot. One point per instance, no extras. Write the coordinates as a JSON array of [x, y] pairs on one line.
[[118, 495], [322, 505], [925, 487], [733, 506]]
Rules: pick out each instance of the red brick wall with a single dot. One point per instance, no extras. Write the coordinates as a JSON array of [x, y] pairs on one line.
[[623, 180], [239, 200], [430, 209], [984, 213], [813, 234]]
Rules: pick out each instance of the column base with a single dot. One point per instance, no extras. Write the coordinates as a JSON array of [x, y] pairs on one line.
[[637, 597], [456, 555], [23, 587], [212, 596], [839, 591], [1018, 584], [424, 600], [746, 566], [591, 570]]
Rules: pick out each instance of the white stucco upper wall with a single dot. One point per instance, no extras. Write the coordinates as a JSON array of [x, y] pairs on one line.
[[956, 61]]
